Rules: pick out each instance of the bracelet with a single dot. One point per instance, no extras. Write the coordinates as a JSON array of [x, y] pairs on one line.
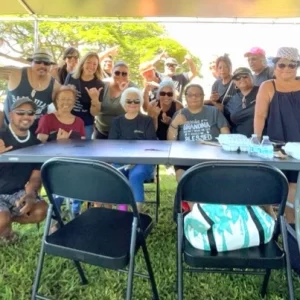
[[173, 126]]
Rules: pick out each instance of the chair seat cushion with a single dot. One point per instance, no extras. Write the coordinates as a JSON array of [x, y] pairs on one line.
[[97, 233], [261, 257]]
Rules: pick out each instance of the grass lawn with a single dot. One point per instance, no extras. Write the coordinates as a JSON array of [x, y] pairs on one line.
[[60, 280]]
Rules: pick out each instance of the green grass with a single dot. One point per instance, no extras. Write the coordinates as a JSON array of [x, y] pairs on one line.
[[61, 282]]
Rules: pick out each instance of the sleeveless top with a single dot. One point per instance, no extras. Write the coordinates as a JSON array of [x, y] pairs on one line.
[[41, 98], [162, 128], [283, 123]]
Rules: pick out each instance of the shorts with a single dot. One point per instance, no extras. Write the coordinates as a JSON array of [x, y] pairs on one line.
[[8, 202], [184, 168], [292, 176]]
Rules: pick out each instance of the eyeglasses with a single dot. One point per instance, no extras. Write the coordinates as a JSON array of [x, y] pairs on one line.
[[238, 78], [244, 104], [290, 66], [197, 95], [137, 101], [20, 112], [169, 94], [171, 65], [118, 73], [39, 62], [72, 56]]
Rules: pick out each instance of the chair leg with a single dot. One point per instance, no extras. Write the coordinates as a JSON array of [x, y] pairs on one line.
[[287, 258], [38, 274], [131, 260], [265, 283], [81, 273], [149, 268], [179, 258]]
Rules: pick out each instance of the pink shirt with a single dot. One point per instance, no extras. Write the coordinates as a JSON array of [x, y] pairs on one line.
[[49, 124]]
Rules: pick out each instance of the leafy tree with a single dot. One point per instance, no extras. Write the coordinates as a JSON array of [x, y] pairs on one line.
[[138, 41]]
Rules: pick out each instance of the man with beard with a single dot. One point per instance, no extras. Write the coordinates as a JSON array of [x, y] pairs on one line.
[[19, 183], [34, 82]]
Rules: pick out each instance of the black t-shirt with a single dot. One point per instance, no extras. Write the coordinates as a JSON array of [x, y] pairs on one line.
[[139, 128], [83, 101], [14, 176]]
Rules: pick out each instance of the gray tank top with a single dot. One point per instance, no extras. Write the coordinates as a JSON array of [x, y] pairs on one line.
[[41, 98]]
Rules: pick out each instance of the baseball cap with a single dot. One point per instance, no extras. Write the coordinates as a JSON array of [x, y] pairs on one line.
[[255, 51], [171, 61], [21, 101], [241, 71]]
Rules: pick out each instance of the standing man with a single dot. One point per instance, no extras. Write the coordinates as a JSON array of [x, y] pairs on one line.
[[181, 79], [19, 182], [258, 64], [34, 82]]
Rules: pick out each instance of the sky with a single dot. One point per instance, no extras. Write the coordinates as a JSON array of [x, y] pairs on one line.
[[205, 40]]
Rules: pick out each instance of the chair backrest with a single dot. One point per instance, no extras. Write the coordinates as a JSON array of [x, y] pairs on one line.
[[233, 183], [84, 179]]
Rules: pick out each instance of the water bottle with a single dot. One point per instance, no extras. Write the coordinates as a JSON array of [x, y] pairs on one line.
[[267, 148], [254, 146]]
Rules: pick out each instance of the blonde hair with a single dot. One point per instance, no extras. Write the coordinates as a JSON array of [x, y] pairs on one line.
[[78, 71]]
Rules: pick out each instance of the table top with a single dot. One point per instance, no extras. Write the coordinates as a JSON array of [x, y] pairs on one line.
[[138, 152], [116, 151], [191, 153]]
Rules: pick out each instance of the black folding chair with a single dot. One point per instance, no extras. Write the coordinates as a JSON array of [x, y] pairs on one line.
[[238, 184], [156, 202], [104, 237]]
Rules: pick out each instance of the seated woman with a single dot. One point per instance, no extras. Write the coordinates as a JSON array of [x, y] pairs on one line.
[[163, 108], [239, 110], [134, 126], [62, 125], [196, 122]]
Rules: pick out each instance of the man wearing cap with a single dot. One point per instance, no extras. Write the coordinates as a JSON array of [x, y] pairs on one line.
[[19, 183], [151, 82], [258, 64], [34, 82], [180, 80]]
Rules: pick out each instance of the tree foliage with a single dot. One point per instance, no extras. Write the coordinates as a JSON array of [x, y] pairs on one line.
[[138, 41]]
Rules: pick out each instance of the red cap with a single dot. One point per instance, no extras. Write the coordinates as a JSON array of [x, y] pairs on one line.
[[255, 51]]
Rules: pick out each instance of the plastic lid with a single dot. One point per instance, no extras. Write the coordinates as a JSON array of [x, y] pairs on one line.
[[265, 137]]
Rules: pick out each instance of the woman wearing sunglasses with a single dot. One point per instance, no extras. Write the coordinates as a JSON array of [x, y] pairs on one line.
[[70, 61], [111, 106], [278, 107], [239, 110], [134, 126], [163, 108]]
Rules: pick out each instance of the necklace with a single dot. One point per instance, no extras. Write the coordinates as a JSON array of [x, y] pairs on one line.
[[17, 138]]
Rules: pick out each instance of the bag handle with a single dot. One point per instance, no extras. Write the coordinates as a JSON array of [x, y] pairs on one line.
[[210, 234], [258, 225]]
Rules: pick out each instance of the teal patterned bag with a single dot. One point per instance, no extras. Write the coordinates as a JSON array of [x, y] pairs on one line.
[[217, 228]]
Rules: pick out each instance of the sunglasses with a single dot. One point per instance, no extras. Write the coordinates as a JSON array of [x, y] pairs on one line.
[[29, 113], [172, 65], [118, 73], [238, 78], [137, 101], [290, 66], [72, 56], [169, 94], [197, 95], [39, 62]]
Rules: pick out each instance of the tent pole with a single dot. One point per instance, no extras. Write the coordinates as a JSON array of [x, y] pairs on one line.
[[36, 34]]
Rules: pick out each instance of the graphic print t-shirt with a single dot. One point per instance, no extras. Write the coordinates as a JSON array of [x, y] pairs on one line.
[[204, 125]]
